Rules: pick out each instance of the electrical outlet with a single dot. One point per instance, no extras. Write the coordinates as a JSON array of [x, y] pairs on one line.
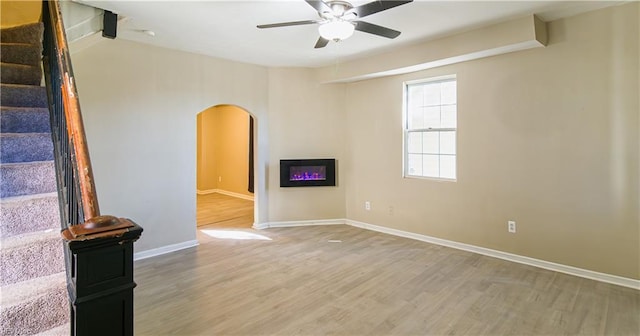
[[219, 178], [367, 205], [391, 210], [511, 226]]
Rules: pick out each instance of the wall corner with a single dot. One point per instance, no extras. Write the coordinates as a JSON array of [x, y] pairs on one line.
[[540, 31]]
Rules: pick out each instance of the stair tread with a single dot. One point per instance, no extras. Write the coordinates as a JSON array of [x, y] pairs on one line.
[[12, 85], [25, 164], [6, 65], [26, 178], [29, 238], [29, 213], [6, 44], [16, 293], [16, 200], [24, 135], [61, 330], [22, 109], [18, 65]]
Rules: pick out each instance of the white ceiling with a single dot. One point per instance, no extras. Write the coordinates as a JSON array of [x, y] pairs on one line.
[[227, 29]]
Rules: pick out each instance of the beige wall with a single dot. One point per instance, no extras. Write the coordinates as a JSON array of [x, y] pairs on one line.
[[15, 13], [547, 137], [223, 150], [139, 105], [306, 120]]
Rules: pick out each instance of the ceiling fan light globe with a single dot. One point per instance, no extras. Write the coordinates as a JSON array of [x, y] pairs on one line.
[[336, 30]]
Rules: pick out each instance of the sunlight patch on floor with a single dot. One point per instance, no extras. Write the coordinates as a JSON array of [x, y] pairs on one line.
[[231, 234]]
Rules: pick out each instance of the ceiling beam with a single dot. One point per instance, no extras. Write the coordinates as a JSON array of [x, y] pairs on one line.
[[515, 35]]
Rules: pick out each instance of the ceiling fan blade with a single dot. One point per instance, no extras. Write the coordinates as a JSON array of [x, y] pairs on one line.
[[286, 24], [322, 42], [377, 6], [319, 6], [376, 30]]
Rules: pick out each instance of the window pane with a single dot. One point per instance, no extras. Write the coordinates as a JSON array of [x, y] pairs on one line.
[[447, 142], [430, 143], [416, 96], [416, 118], [432, 117], [432, 94], [431, 123], [448, 92], [449, 116], [414, 142], [448, 166], [414, 165], [430, 165]]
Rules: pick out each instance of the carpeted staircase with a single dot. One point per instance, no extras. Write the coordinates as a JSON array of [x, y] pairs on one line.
[[33, 297]]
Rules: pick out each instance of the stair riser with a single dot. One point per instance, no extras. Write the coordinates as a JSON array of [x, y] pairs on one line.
[[23, 96], [36, 315], [28, 54], [31, 33], [20, 120], [26, 148], [29, 215], [20, 74], [23, 263], [27, 179]]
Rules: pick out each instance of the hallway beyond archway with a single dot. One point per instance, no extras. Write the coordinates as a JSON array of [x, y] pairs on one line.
[[225, 167]]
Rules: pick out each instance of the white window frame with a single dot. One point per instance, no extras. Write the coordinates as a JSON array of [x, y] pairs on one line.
[[406, 131]]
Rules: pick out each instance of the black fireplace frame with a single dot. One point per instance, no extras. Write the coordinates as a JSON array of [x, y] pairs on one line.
[[286, 164]]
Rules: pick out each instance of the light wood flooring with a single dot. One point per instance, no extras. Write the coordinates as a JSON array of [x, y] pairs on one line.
[[224, 211], [300, 283]]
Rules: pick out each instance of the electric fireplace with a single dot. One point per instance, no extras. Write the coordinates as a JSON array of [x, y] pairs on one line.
[[308, 173]]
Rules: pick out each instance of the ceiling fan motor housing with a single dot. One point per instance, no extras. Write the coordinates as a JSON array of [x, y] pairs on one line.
[[338, 9]]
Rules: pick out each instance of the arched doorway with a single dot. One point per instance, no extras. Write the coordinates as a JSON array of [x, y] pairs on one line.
[[225, 169]]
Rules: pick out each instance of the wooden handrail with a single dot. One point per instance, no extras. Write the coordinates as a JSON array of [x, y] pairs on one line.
[[92, 243], [79, 152]]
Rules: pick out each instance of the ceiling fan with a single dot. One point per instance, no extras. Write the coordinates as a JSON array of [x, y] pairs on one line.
[[338, 19]]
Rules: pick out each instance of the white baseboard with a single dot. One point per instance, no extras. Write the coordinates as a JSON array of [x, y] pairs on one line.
[[261, 226], [580, 272], [164, 250], [234, 194], [225, 192], [205, 192]]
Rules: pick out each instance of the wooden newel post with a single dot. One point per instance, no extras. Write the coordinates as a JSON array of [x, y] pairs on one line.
[[100, 282]]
